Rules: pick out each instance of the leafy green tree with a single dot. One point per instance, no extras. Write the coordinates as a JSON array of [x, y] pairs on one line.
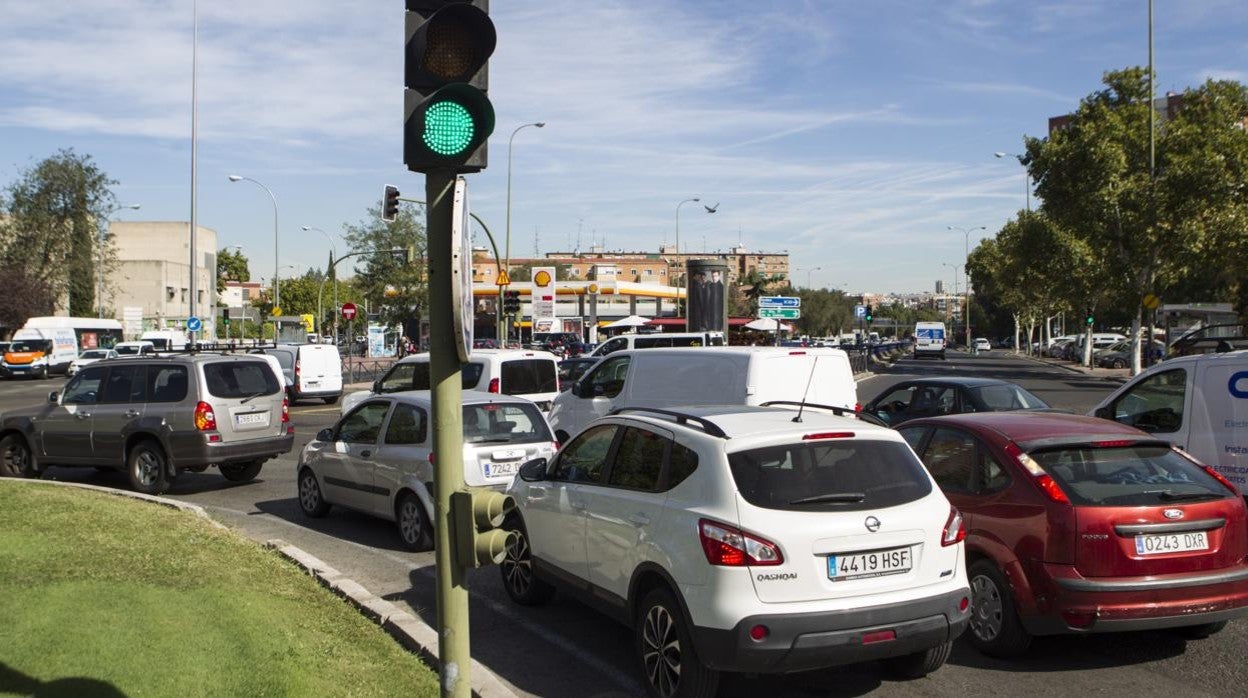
[[231, 266], [25, 296], [53, 229], [396, 289]]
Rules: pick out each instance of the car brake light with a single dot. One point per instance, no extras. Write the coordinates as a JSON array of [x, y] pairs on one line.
[[828, 435], [1119, 443], [1043, 480], [205, 418], [857, 406], [297, 368], [797, 353], [955, 531], [1218, 476], [730, 547], [1051, 489], [285, 410], [555, 445], [493, 385]]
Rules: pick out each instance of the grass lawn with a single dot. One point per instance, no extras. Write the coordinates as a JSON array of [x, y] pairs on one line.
[[103, 595]]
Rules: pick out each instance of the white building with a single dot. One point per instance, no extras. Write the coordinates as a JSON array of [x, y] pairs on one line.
[[153, 273]]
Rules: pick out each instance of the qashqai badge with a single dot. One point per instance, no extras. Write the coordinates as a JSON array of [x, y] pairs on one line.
[[872, 524]]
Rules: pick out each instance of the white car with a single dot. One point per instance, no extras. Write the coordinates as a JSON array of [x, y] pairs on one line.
[[378, 459], [89, 357], [982, 344], [745, 539]]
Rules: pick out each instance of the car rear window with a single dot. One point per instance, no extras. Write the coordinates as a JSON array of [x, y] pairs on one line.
[[528, 376], [504, 423], [1007, 397], [835, 475], [1127, 475], [415, 376], [239, 379]]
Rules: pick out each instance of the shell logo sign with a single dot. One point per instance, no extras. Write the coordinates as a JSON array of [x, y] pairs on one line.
[[543, 298], [541, 279]]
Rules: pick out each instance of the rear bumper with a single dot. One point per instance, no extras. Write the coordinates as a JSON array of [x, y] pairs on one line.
[[1076, 604], [193, 449], [800, 642]]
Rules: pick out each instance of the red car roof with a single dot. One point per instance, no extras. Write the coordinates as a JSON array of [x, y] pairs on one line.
[[1023, 427]]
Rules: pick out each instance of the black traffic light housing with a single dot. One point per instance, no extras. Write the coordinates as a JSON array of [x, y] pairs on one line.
[[870, 315], [389, 203], [1089, 318], [511, 302], [447, 116]]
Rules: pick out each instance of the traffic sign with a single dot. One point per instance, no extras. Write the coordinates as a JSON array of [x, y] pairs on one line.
[[348, 311], [277, 311], [781, 313], [779, 302], [503, 279], [194, 324], [860, 311]]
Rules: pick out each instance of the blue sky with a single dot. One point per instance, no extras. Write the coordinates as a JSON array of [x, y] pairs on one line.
[[850, 134]]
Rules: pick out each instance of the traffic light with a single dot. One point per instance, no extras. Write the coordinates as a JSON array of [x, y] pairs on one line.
[[511, 302], [1089, 318], [476, 514], [225, 317], [389, 203], [447, 117], [870, 315]]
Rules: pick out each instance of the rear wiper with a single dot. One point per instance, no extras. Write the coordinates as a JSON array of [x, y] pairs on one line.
[[1169, 496], [253, 397], [834, 498]]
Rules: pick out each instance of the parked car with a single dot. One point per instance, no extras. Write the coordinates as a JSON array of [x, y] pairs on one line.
[[154, 417], [378, 459], [571, 370], [129, 349], [1079, 525], [734, 538], [1120, 355], [930, 397], [89, 357], [982, 344]]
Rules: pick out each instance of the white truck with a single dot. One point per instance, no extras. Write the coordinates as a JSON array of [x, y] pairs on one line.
[[929, 339], [165, 340], [38, 353]]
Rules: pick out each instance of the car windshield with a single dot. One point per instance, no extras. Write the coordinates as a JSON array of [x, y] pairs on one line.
[[1131, 475], [239, 379], [31, 345], [415, 376], [1000, 398], [94, 354], [504, 423], [840, 475]]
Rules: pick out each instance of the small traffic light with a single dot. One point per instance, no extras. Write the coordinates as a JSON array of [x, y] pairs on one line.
[[1089, 319], [870, 315], [447, 117], [476, 514], [511, 302], [389, 203]]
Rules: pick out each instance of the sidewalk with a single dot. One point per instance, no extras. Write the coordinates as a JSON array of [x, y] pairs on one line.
[[1116, 375]]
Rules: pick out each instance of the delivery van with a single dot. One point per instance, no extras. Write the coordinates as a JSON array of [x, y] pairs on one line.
[[1199, 403], [710, 376], [659, 340], [309, 371], [165, 340], [929, 339], [39, 353]]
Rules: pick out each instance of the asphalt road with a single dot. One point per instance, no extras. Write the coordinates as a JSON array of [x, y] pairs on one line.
[[566, 649]]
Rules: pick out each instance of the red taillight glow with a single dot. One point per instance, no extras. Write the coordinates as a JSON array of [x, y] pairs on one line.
[[205, 418], [431, 458], [964, 604], [1051, 489], [297, 368], [1219, 477], [955, 531], [554, 445], [1118, 443], [828, 435], [1043, 480], [730, 547], [759, 633], [857, 406], [285, 410], [493, 385], [879, 636]]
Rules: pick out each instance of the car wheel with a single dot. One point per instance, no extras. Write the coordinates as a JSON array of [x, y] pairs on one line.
[[1120, 363], [919, 664], [1199, 632], [995, 628], [331, 400], [15, 457], [311, 501], [669, 663], [146, 468], [241, 472], [413, 525], [517, 569]]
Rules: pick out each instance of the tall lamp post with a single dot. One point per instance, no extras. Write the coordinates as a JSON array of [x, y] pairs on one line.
[[507, 265], [1026, 175], [333, 251], [954, 267], [277, 284], [678, 220], [966, 287], [808, 273], [99, 295]]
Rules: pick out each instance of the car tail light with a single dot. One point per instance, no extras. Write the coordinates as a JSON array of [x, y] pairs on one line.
[[797, 353], [555, 445], [730, 547], [431, 458], [205, 418], [955, 529], [1218, 476], [879, 636], [758, 633], [493, 385], [1079, 619], [828, 435], [297, 369], [285, 410], [857, 406], [1116, 443], [1043, 480]]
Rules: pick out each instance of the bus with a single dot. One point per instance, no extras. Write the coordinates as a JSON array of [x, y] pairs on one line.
[[92, 333]]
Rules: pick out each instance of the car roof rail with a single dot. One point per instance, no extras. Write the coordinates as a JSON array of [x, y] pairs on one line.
[[838, 411], [680, 417]]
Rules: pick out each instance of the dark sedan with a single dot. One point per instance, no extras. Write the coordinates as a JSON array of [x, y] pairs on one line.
[[932, 397], [571, 370]]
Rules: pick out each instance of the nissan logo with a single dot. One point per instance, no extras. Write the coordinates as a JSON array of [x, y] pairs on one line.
[[873, 524], [1173, 513]]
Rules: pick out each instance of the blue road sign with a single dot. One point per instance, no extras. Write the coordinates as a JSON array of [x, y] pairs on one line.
[[860, 311], [779, 302], [194, 324]]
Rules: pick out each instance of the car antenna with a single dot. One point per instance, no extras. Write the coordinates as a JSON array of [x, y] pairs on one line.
[[809, 380]]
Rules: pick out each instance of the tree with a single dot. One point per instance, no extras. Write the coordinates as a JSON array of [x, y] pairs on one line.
[[25, 296], [231, 266], [56, 211], [399, 290]]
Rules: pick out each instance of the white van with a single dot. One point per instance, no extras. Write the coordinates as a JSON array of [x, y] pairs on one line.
[[711, 376], [660, 340], [533, 375], [311, 371], [38, 353], [140, 348], [165, 340], [929, 339], [1199, 403]]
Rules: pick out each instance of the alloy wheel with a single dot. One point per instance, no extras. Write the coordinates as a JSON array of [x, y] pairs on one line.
[[309, 493], [147, 469], [411, 520], [661, 651], [517, 565]]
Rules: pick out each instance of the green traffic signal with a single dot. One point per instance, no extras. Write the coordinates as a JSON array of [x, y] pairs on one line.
[[448, 128]]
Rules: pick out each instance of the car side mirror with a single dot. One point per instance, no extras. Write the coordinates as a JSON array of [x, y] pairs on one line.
[[53, 397], [1105, 412], [377, 386], [534, 470], [577, 390], [326, 434]]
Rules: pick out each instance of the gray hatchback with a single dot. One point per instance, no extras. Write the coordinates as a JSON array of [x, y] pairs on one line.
[[155, 417]]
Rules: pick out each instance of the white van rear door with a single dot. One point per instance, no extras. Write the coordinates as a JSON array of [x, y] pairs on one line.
[[1215, 424]]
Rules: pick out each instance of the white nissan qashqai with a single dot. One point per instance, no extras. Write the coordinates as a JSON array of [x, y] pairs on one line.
[[745, 539]]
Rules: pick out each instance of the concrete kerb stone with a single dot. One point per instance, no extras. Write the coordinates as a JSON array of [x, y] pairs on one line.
[[411, 632]]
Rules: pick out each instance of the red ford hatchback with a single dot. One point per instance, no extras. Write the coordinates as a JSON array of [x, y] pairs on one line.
[[1078, 525]]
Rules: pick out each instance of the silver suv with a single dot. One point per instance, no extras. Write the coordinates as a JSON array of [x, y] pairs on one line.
[[155, 417]]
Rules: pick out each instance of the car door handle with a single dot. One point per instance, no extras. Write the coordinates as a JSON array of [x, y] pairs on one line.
[[133, 413], [639, 519], [365, 454], [82, 415]]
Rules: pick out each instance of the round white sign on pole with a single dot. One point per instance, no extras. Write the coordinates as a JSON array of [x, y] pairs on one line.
[[461, 271]]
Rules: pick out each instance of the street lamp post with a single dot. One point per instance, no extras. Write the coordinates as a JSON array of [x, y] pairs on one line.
[[954, 267], [808, 273], [277, 284], [507, 265], [678, 221], [966, 287], [103, 237], [1026, 175], [320, 313]]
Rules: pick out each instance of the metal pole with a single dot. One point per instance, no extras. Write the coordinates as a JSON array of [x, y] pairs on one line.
[[194, 165], [507, 266], [454, 653]]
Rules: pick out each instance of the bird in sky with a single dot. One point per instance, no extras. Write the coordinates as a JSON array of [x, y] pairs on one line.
[[711, 209]]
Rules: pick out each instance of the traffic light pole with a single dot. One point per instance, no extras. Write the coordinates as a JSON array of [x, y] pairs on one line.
[[454, 655]]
